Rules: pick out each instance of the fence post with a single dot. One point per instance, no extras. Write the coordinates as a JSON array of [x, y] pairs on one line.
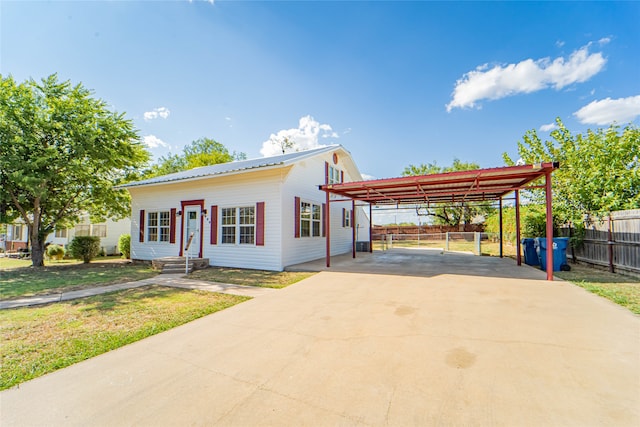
[[391, 241], [476, 236], [610, 243], [446, 245]]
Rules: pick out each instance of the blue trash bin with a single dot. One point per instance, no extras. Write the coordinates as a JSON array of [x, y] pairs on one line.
[[529, 249], [560, 245]]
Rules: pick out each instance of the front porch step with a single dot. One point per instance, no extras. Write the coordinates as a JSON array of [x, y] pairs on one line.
[[169, 265]]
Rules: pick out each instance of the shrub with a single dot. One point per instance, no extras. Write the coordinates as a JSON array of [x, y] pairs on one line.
[[124, 245], [85, 248], [55, 252]]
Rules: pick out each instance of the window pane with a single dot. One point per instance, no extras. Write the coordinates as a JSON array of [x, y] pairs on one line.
[[99, 230], [153, 219], [316, 228], [228, 234], [247, 215], [316, 212], [228, 216], [165, 218], [153, 234], [82, 230], [305, 228], [247, 234]]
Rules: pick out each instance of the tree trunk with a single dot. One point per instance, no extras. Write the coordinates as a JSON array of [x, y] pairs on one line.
[[37, 250]]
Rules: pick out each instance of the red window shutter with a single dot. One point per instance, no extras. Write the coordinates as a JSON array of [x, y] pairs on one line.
[[141, 233], [260, 224], [214, 225], [344, 217], [296, 219], [172, 226], [341, 176], [323, 219], [326, 172]]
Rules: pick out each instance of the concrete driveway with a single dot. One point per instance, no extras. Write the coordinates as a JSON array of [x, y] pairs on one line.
[[398, 338]]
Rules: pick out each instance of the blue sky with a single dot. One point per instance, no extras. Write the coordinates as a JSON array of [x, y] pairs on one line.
[[396, 83]]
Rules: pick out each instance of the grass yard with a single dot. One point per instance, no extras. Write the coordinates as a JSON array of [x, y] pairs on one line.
[[261, 278], [487, 247], [39, 340], [28, 281], [623, 290]]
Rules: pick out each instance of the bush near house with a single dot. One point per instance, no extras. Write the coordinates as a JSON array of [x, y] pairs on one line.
[[55, 252], [85, 248], [124, 245]]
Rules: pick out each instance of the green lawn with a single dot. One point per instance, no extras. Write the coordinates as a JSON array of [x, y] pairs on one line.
[[623, 290], [486, 247], [57, 277], [39, 340], [261, 278]]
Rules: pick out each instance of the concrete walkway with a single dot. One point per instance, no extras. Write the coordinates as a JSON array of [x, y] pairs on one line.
[[423, 340], [173, 280]]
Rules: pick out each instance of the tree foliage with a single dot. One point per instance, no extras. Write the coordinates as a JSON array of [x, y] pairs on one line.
[[599, 171], [201, 152], [61, 152], [453, 214]]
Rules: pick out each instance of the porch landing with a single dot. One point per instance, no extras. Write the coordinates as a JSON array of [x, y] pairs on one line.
[[176, 264]]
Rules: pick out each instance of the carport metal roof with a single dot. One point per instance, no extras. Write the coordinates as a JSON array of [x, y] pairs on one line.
[[452, 187], [464, 186]]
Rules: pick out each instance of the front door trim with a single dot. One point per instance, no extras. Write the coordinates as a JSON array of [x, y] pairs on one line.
[[183, 205]]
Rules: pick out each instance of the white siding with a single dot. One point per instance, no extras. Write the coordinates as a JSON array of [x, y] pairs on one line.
[[303, 182], [239, 190]]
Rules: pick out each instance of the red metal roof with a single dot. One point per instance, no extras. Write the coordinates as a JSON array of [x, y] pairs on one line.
[[452, 187]]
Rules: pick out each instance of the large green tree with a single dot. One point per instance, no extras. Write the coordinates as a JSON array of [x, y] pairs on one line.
[[599, 171], [61, 153], [201, 152], [453, 214]]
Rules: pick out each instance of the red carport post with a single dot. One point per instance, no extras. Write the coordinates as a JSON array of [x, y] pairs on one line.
[[518, 256], [547, 178], [370, 230], [327, 226], [500, 221], [353, 227]]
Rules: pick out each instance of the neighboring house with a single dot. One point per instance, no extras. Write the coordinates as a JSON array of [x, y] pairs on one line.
[[16, 237], [265, 213], [109, 232]]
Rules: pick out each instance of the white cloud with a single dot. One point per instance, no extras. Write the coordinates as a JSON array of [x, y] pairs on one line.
[[153, 141], [162, 112], [548, 127], [607, 111], [524, 77], [368, 177], [559, 43], [304, 137]]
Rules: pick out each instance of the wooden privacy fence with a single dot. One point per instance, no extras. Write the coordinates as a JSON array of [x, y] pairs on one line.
[[613, 242]]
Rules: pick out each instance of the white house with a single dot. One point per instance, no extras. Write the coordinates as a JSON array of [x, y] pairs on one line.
[[265, 213], [109, 232]]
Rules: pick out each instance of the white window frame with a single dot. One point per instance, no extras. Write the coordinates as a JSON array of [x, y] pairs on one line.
[[335, 175], [310, 219], [347, 218], [161, 226], [61, 233], [238, 225]]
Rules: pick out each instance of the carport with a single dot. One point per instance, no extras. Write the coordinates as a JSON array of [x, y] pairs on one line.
[[479, 185]]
